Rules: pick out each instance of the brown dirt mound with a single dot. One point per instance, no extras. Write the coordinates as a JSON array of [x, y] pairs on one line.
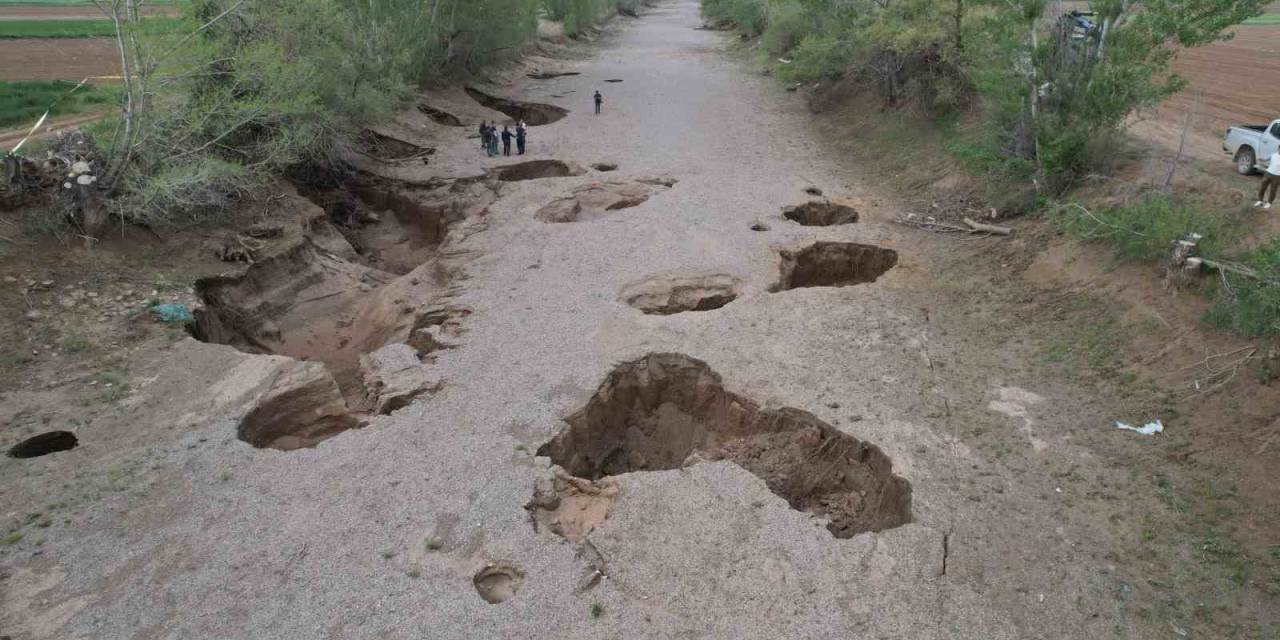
[[667, 410], [44, 444], [665, 296], [833, 264], [536, 169], [498, 582], [592, 200], [820, 214], [533, 114]]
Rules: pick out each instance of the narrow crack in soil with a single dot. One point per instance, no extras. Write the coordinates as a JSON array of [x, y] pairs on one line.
[[668, 410]]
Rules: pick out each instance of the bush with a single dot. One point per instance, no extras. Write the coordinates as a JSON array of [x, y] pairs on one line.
[[1251, 306], [1146, 229], [750, 16]]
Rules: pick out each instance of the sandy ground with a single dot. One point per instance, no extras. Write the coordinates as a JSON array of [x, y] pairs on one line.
[[1024, 524]]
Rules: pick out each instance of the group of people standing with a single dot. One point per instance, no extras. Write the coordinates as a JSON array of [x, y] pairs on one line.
[[489, 136]]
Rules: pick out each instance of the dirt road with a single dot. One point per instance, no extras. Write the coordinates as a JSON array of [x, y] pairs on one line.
[[966, 495]]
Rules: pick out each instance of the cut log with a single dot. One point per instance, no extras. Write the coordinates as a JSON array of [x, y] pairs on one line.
[[988, 228]]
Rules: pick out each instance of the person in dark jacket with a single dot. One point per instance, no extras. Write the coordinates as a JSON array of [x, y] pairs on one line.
[[522, 132], [599, 100], [506, 140], [484, 135]]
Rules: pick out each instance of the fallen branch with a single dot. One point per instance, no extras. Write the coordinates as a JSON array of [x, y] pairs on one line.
[[988, 228]]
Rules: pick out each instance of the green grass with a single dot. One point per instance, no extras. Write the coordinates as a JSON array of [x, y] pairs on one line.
[[88, 28], [1146, 229], [1250, 306], [22, 102], [1264, 19], [64, 3]]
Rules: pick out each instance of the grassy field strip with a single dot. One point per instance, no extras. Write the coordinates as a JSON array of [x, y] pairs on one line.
[[88, 28], [21, 103]]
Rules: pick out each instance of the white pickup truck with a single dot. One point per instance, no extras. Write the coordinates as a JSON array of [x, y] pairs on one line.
[[1251, 146]]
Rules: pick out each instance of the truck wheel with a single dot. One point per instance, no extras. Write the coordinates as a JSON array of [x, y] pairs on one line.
[[1245, 160]]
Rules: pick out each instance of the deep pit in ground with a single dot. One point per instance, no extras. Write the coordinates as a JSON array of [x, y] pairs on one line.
[[439, 116], [534, 114], [348, 297], [44, 444], [669, 295], [820, 214], [832, 264], [668, 410], [536, 170]]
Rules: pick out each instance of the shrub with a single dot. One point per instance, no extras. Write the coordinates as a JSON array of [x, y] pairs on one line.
[[1251, 306]]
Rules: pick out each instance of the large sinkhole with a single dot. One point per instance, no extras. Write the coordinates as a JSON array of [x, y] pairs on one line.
[[666, 410], [832, 264], [536, 169], [533, 114], [345, 298], [820, 214]]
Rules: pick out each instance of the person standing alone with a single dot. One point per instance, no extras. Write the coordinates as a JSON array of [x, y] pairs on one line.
[[522, 132], [1270, 180], [599, 100], [506, 140]]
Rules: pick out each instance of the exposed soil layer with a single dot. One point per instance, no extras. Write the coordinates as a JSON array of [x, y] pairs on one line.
[[667, 410], [820, 214], [355, 284], [533, 114], [571, 507], [665, 296], [548, 75], [303, 407], [536, 169], [832, 264], [44, 444], [388, 149], [593, 200], [498, 582], [438, 116]]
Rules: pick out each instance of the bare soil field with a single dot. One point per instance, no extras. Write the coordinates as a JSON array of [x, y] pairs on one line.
[[57, 58], [1229, 83]]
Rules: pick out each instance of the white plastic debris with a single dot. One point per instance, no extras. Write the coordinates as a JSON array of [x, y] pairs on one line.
[[80, 166], [84, 179], [1147, 429]]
